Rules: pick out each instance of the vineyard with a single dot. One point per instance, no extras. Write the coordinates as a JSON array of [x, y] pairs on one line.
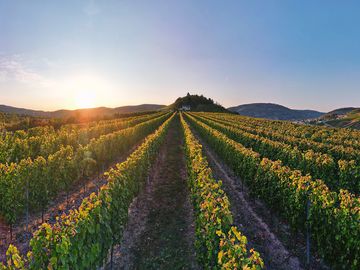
[[175, 190]]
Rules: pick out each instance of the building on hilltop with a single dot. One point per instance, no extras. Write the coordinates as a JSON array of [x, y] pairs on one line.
[[185, 108]]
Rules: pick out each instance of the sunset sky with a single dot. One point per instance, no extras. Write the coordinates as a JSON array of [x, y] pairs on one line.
[[73, 54]]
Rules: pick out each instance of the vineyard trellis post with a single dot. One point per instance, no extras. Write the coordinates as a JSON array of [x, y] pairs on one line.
[[308, 231], [27, 204], [111, 257]]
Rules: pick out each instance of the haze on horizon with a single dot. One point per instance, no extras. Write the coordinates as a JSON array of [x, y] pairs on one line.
[[75, 54]]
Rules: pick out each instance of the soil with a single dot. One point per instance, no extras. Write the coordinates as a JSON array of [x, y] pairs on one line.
[[160, 230], [56, 208], [266, 233]]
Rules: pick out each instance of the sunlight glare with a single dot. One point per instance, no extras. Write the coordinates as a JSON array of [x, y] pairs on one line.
[[87, 90], [85, 99]]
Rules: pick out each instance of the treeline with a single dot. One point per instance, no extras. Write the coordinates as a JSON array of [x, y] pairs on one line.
[[197, 103]]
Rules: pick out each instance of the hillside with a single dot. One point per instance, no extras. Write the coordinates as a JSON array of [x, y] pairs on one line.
[[343, 118], [338, 113], [100, 111], [197, 103], [274, 112]]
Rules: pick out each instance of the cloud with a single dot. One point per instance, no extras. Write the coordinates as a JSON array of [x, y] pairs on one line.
[[91, 9], [13, 68]]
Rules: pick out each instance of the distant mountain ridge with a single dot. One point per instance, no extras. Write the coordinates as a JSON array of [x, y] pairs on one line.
[[274, 112], [103, 111]]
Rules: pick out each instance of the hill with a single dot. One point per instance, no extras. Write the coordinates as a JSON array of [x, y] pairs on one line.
[[274, 112], [92, 112], [197, 103], [338, 112], [343, 117]]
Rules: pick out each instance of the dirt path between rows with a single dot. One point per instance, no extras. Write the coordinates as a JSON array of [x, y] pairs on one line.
[[160, 230], [56, 208], [264, 231]]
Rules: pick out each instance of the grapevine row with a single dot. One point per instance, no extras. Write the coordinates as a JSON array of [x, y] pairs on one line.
[[219, 244], [333, 217], [319, 165], [31, 184], [338, 152], [21, 144], [82, 239], [330, 136], [347, 158]]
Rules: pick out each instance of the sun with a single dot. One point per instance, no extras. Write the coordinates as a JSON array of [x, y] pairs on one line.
[[85, 99], [87, 90]]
